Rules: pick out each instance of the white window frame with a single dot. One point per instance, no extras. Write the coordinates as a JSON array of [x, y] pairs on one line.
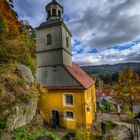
[[67, 118], [64, 100]]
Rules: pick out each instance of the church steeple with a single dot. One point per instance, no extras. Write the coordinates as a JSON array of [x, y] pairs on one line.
[[54, 10]]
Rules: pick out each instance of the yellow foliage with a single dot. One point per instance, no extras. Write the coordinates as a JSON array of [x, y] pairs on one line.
[[17, 46], [128, 86], [12, 25]]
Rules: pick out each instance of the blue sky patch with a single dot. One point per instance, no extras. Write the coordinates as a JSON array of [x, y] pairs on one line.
[[126, 46], [93, 50], [66, 17], [76, 42]]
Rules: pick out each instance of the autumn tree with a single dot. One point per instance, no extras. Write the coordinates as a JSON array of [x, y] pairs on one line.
[[10, 19], [127, 90], [17, 45], [1, 29]]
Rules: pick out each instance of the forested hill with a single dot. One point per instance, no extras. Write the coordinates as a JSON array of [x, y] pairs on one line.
[[110, 69]]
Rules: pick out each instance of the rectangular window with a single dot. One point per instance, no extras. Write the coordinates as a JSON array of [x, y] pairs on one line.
[[68, 99], [69, 115], [49, 39]]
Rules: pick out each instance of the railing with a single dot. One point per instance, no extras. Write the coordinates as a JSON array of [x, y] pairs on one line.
[[136, 129]]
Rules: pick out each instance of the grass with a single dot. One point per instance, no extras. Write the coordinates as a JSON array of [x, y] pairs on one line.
[[30, 132]]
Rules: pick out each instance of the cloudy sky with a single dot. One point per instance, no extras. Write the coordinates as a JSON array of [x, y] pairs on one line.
[[104, 31]]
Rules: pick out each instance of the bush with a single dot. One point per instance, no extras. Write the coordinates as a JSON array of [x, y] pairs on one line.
[[3, 124], [31, 132], [19, 50], [84, 134], [105, 107]]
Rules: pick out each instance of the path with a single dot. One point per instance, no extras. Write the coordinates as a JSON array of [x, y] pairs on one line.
[[121, 120]]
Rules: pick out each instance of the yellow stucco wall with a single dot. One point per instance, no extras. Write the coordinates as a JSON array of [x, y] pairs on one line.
[[54, 100], [90, 103]]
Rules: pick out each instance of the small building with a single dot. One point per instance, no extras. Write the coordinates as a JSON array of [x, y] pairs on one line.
[[71, 99]]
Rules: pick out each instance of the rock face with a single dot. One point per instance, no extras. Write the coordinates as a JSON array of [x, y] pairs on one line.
[[121, 133], [23, 114], [26, 73], [18, 95]]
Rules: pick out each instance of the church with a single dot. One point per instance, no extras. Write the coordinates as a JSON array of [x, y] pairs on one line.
[[71, 100]]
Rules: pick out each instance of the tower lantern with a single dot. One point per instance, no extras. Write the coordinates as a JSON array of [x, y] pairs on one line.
[[54, 10]]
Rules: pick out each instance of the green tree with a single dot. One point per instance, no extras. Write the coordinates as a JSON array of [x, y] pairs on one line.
[[127, 88]]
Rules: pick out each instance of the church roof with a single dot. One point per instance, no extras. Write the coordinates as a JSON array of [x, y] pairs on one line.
[[50, 22], [68, 78], [80, 76]]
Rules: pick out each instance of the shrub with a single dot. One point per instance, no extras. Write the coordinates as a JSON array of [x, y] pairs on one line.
[[84, 134], [3, 124]]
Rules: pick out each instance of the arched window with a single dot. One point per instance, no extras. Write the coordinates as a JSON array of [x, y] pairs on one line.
[[67, 39], [49, 39], [53, 12], [49, 13], [59, 13]]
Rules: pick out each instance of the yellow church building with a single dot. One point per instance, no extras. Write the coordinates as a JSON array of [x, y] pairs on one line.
[[71, 99]]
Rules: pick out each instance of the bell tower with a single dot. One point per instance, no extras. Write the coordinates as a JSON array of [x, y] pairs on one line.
[[53, 42]]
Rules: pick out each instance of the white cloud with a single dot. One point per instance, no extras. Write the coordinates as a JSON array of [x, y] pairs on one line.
[[96, 24], [110, 56]]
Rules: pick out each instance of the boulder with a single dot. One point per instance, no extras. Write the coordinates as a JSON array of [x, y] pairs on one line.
[[22, 114], [26, 73], [18, 94]]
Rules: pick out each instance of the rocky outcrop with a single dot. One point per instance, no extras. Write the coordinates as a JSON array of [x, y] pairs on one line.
[[22, 114], [18, 94], [121, 133]]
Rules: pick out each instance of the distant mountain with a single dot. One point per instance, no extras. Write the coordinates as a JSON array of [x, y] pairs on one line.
[[110, 69]]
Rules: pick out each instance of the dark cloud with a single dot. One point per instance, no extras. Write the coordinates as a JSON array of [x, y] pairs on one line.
[[116, 23]]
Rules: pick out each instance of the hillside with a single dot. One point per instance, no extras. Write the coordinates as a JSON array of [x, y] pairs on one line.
[[17, 43], [111, 69]]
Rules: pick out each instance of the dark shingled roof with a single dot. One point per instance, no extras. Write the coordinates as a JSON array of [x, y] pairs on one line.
[[50, 22]]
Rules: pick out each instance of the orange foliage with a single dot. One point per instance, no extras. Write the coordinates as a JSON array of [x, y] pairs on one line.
[[9, 16], [128, 87]]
